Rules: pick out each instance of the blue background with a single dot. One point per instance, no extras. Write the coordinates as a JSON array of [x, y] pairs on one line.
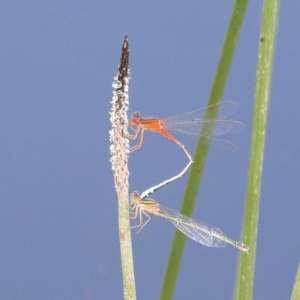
[[58, 205]]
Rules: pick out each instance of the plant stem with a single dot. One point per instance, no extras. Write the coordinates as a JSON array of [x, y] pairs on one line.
[[119, 150], [126, 249]]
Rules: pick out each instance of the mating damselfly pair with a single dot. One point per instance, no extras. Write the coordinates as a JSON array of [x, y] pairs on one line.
[[191, 123]]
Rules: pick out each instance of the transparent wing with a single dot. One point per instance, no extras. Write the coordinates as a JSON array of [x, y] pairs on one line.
[[192, 123], [225, 109], [207, 128], [199, 236], [202, 233], [221, 144]]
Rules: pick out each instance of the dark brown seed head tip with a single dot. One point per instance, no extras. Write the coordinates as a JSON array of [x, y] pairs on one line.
[[125, 44]]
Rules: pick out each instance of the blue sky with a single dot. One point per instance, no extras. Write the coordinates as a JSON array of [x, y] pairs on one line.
[[58, 206]]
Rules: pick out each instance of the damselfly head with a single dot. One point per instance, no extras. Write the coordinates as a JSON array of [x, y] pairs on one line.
[[135, 196], [136, 118]]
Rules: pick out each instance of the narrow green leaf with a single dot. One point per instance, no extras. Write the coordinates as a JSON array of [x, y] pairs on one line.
[[296, 290], [202, 150], [245, 275]]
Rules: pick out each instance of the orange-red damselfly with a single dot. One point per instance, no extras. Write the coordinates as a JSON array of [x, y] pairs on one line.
[[190, 123]]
